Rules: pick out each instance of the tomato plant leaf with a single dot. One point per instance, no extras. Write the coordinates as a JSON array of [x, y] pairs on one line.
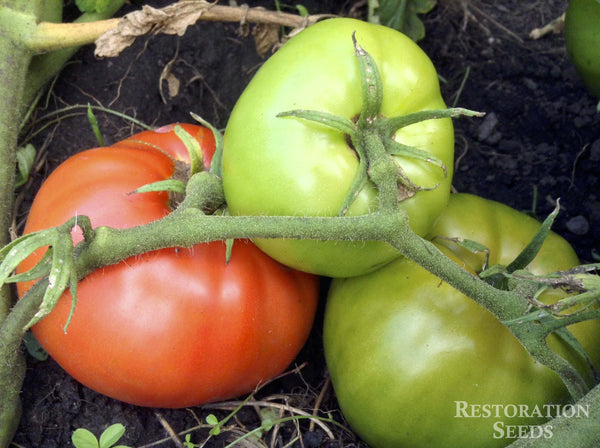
[[402, 15]]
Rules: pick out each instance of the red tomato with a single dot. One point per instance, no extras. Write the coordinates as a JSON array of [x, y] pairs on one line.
[[164, 139], [174, 327]]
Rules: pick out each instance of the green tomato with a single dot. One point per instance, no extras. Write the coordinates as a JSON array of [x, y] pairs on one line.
[[582, 39], [287, 166], [414, 363]]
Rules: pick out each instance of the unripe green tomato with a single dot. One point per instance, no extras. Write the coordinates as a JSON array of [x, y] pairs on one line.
[[582, 39], [290, 167], [416, 364]]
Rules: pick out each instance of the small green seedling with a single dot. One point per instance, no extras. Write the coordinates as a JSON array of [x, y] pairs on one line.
[[25, 161], [82, 438], [188, 442], [94, 123], [213, 421]]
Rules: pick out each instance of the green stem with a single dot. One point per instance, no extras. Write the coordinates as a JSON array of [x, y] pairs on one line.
[[21, 79], [43, 67], [12, 364], [14, 61], [190, 226], [579, 432]]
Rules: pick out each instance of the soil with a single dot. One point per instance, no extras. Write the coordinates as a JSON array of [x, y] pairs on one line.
[[539, 141]]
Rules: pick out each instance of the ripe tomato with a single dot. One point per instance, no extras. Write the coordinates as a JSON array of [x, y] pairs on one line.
[[175, 327], [165, 140], [286, 166], [582, 40], [415, 363]]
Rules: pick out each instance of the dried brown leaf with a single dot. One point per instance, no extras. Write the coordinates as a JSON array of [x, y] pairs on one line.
[[266, 36], [173, 19]]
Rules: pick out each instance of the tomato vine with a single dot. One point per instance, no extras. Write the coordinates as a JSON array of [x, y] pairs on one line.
[[103, 246]]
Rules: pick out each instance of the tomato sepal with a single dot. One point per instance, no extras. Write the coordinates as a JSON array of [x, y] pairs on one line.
[[193, 147], [216, 165], [531, 251], [57, 264]]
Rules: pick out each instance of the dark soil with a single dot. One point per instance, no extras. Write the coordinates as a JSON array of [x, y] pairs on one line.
[[539, 141]]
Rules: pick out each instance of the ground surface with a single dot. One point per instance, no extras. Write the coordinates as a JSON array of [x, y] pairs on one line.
[[541, 132]]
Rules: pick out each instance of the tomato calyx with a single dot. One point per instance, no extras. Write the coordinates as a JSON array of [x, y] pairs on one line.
[[499, 275], [207, 181], [578, 280], [216, 164], [204, 191], [372, 137], [57, 264]]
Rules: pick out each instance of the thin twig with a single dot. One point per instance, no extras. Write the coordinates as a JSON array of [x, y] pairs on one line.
[[230, 405], [577, 157], [555, 26], [172, 434], [318, 402], [497, 24]]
